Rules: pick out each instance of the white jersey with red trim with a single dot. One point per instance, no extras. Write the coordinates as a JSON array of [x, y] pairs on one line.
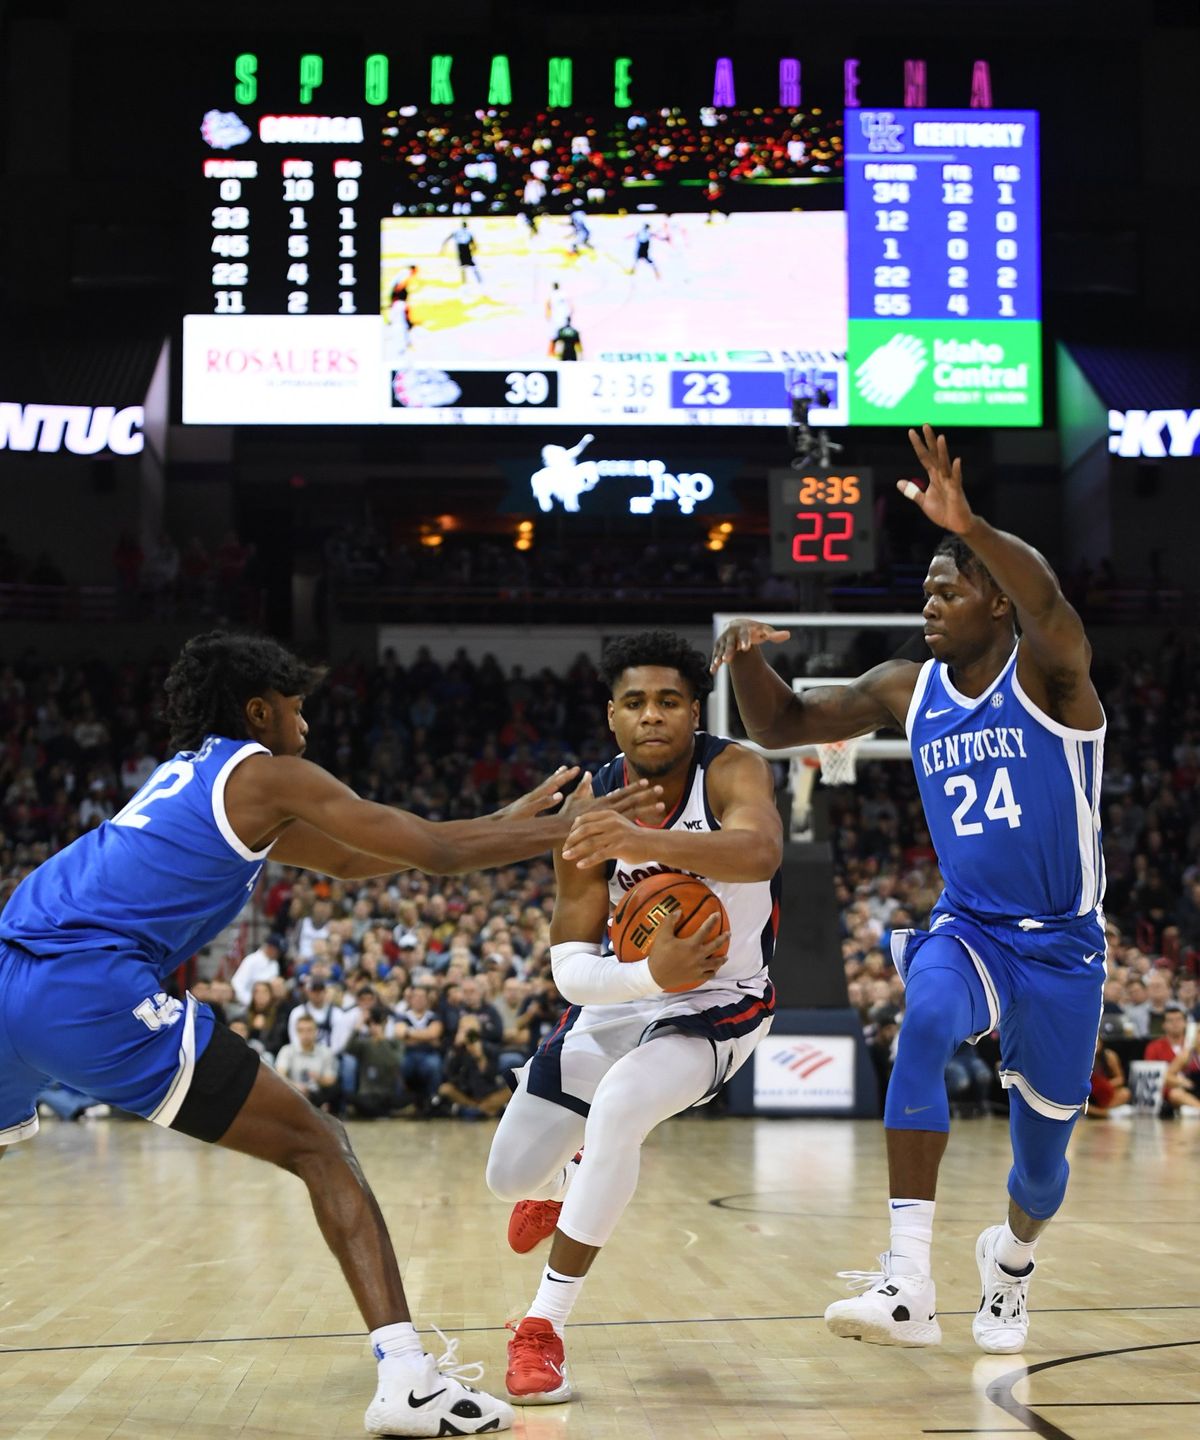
[[752, 906]]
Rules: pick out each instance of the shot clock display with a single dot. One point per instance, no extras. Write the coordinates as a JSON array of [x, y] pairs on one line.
[[822, 521]]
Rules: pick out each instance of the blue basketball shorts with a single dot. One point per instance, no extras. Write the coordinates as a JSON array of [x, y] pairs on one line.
[[1042, 987], [99, 1022]]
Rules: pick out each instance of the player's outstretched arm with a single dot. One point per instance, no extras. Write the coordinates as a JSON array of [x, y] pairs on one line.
[[777, 719], [267, 794], [1053, 641], [747, 847]]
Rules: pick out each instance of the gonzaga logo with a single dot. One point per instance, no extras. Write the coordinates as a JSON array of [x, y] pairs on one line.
[[222, 129], [564, 478]]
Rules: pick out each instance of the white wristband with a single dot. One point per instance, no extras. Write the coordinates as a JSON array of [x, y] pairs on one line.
[[586, 977]]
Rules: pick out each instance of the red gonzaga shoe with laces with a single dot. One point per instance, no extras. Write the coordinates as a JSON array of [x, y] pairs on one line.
[[531, 1222], [537, 1367]]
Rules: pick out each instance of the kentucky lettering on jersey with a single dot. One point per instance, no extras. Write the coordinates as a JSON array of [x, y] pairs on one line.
[[1012, 800], [953, 751], [161, 879], [752, 906]]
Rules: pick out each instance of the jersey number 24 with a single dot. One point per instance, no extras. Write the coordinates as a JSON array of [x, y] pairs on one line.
[[1001, 803]]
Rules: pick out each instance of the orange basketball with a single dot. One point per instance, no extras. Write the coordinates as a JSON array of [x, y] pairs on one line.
[[656, 900]]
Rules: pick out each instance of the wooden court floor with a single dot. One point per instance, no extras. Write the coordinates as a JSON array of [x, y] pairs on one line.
[[153, 1288]]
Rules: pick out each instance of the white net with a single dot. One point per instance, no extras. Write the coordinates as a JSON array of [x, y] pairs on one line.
[[837, 761]]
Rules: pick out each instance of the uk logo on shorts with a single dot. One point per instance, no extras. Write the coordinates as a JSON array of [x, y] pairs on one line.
[[159, 1012]]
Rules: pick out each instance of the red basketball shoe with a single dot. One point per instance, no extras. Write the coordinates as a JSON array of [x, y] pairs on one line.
[[531, 1222], [537, 1367]]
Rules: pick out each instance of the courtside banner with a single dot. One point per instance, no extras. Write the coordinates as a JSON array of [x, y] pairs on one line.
[[804, 1072], [283, 369]]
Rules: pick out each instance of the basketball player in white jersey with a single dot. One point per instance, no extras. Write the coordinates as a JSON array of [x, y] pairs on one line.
[[1007, 741], [626, 1054]]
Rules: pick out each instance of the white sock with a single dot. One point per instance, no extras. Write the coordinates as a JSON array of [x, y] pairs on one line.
[[556, 1298], [397, 1342], [912, 1235], [1015, 1255]]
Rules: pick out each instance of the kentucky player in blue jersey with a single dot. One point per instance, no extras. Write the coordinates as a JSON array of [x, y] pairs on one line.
[[1006, 735], [630, 1052], [89, 939]]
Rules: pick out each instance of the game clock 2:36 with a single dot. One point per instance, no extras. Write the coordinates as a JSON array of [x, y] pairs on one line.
[[821, 521]]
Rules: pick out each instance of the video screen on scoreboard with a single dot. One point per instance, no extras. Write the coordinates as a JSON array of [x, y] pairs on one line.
[[495, 267], [648, 267]]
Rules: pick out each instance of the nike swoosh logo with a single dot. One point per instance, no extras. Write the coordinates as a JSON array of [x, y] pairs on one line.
[[908, 1205], [1087, 959], [916, 1109], [416, 1401], [558, 1279], [933, 714]]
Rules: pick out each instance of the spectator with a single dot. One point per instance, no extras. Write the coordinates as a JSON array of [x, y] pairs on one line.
[[309, 1066], [1110, 1094], [472, 1088], [968, 1081], [260, 1019], [377, 1088], [420, 1028], [1182, 1085], [259, 965]]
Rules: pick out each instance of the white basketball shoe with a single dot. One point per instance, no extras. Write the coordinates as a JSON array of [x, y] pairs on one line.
[[892, 1310], [430, 1397], [1001, 1323]]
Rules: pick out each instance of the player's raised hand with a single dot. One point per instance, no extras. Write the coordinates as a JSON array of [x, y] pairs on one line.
[[637, 801], [602, 835], [541, 798], [943, 499], [742, 635], [679, 964]]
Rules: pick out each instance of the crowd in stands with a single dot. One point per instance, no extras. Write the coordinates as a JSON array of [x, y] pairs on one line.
[[496, 161], [160, 580], [422, 992]]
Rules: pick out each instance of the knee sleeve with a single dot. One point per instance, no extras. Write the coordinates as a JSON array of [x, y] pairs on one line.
[[533, 1142], [1039, 1174], [939, 1006], [645, 1087]]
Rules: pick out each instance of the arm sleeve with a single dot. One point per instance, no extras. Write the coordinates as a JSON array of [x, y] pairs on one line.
[[586, 977]]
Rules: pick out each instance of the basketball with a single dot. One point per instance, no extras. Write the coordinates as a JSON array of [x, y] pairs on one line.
[[654, 901]]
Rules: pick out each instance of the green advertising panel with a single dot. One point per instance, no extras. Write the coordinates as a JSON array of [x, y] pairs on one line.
[[946, 372]]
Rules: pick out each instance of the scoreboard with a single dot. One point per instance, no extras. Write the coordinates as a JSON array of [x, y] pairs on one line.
[[372, 268], [944, 267]]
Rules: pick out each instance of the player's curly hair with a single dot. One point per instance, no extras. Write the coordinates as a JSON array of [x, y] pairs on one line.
[[657, 647], [209, 684], [965, 559]]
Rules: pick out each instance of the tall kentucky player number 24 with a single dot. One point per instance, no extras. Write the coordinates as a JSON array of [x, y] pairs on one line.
[[646, 1039], [89, 939], [1007, 737]]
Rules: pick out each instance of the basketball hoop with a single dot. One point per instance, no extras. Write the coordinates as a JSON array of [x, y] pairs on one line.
[[837, 761]]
